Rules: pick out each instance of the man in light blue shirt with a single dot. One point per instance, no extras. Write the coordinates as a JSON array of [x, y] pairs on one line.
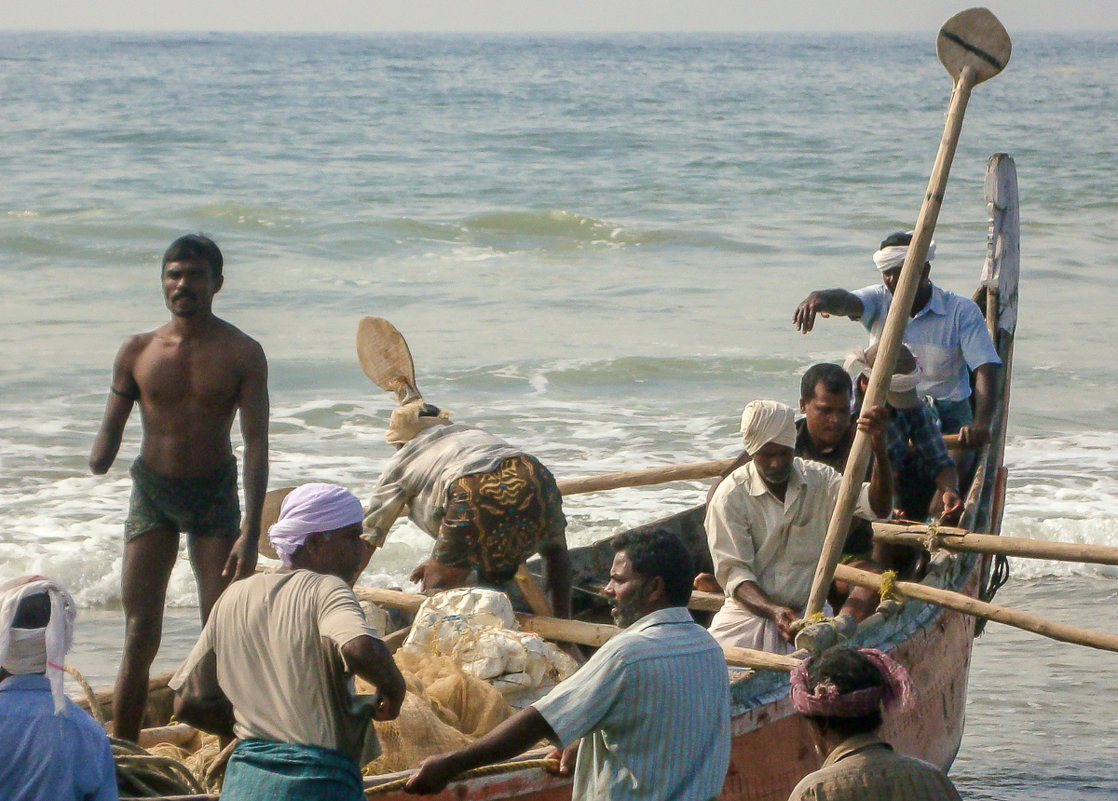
[[50, 749], [946, 333], [648, 716]]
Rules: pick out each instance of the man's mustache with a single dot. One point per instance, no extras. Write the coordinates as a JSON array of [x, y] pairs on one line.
[[184, 294]]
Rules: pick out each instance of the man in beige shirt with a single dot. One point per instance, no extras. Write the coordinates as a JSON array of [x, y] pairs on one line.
[[767, 521], [843, 693], [274, 663]]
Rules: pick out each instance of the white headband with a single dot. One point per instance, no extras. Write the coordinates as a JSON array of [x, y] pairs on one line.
[[312, 509], [40, 650], [892, 257]]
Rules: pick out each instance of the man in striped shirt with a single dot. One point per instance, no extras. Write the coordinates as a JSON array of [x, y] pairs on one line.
[[648, 716]]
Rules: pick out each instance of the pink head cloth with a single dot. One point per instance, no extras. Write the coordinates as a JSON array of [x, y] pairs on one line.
[[827, 701], [311, 509]]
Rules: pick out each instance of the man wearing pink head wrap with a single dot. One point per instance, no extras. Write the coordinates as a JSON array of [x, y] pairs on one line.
[[844, 693], [767, 521], [274, 663]]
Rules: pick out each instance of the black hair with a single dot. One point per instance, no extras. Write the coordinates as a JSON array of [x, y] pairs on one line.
[[848, 671], [429, 410], [659, 552], [897, 239], [833, 378], [32, 612], [195, 247]]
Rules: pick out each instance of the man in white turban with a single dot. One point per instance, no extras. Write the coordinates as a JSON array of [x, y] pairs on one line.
[[52, 749], [767, 521], [946, 333], [275, 662]]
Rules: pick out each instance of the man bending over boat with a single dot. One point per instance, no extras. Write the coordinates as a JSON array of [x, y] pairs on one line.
[[488, 505], [52, 749], [946, 333], [190, 377], [274, 663], [843, 693], [767, 522], [648, 716]]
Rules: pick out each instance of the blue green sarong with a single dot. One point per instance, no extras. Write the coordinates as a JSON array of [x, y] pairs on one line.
[[263, 769]]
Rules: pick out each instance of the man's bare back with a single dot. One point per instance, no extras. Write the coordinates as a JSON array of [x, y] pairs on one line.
[[190, 377]]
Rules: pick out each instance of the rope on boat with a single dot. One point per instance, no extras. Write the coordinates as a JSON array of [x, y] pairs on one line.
[[90, 696], [888, 588], [486, 770], [140, 773]]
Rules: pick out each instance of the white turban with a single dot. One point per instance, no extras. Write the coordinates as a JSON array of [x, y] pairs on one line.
[[893, 256], [406, 422], [312, 509], [901, 392], [765, 421], [43, 650]]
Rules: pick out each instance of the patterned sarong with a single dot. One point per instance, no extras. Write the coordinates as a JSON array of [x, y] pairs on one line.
[[495, 520], [263, 770], [204, 506]]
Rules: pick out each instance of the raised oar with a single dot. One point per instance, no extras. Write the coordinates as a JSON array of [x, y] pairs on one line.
[[576, 631], [974, 47], [958, 539]]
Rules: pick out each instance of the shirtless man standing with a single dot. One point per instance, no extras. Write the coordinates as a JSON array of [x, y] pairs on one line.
[[190, 378]]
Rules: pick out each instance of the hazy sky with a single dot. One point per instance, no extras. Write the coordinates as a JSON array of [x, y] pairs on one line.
[[541, 15]]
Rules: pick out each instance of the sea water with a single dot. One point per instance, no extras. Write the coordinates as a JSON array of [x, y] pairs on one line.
[[594, 246]]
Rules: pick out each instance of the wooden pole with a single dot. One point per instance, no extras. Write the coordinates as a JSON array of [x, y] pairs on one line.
[[575, 631], [957, 539], [643, 477], [973, 46], [971, 606]]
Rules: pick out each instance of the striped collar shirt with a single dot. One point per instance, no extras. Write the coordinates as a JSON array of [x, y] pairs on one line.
[[653, 709]]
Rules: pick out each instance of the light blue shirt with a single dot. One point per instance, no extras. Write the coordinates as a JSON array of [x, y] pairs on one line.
[[947, 336], [49, 757], [653, 707]]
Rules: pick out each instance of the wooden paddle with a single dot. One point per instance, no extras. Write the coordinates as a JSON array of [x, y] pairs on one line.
[[974, 47], [386, 359], [971, 606]]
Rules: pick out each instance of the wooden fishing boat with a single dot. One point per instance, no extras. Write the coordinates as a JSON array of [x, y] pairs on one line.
[[772, 747]]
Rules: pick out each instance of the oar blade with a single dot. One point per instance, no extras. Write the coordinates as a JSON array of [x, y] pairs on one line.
[[384, 354], [974, 38]]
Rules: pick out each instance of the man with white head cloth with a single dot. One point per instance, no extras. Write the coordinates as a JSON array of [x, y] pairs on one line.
[[274, 663], [946, 333], [51, 748], [767, 521]]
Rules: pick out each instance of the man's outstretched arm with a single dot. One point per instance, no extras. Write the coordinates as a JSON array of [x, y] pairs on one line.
[[826, 302], [123, 393], [370, 659], [512, 737]]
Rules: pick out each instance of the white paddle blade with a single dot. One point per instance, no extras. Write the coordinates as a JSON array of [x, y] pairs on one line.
[[384, 354], [974, 38]]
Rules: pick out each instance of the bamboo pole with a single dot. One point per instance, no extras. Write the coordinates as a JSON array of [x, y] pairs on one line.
[[957, 539], [981, 609], [643, 477], [576, 631]]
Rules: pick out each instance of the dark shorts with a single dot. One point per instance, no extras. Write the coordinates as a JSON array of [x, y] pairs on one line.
[[206, 506], [496, 520]]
